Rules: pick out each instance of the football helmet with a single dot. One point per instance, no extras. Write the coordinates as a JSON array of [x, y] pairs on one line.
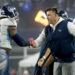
[[63, 14], [10, 11]]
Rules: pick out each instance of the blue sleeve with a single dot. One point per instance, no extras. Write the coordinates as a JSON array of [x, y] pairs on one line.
[[20, 41]]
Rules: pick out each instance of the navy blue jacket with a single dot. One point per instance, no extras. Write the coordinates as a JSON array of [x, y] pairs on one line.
[[61, 41]]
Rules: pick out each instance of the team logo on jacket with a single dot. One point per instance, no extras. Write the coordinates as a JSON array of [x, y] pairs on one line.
[[60, 30]]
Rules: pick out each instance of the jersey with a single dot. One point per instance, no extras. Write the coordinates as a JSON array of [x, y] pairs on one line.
[[5, 40]]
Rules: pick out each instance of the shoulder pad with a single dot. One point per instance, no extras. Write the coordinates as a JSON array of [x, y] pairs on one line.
[[8, 22]]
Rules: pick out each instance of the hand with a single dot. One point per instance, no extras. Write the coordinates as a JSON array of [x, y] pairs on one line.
[[33, 44], [40, 62]]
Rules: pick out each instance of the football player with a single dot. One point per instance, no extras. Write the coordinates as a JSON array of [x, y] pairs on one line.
[[8, 30]]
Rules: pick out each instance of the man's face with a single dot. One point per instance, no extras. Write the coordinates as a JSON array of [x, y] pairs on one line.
[[51, 16]]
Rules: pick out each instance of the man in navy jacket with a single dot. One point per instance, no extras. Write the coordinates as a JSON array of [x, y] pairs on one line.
[[61, 36]]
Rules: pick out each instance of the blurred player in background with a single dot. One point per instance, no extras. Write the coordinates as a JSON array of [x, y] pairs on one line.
[[8, 31], [64, 15]]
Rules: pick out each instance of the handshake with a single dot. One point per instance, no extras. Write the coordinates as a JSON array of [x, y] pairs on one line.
[[32, 42]]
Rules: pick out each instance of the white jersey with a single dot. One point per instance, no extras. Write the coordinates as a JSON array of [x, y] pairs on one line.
[[4, 35]]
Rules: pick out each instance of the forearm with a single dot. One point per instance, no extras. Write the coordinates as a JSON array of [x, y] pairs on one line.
[[47, 53], [49, 61], [41, 39], [20, 41], [39, 42], [16, 37], [42, 60]]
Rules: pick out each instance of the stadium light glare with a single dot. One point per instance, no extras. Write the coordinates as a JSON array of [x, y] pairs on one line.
[[41, 18]]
